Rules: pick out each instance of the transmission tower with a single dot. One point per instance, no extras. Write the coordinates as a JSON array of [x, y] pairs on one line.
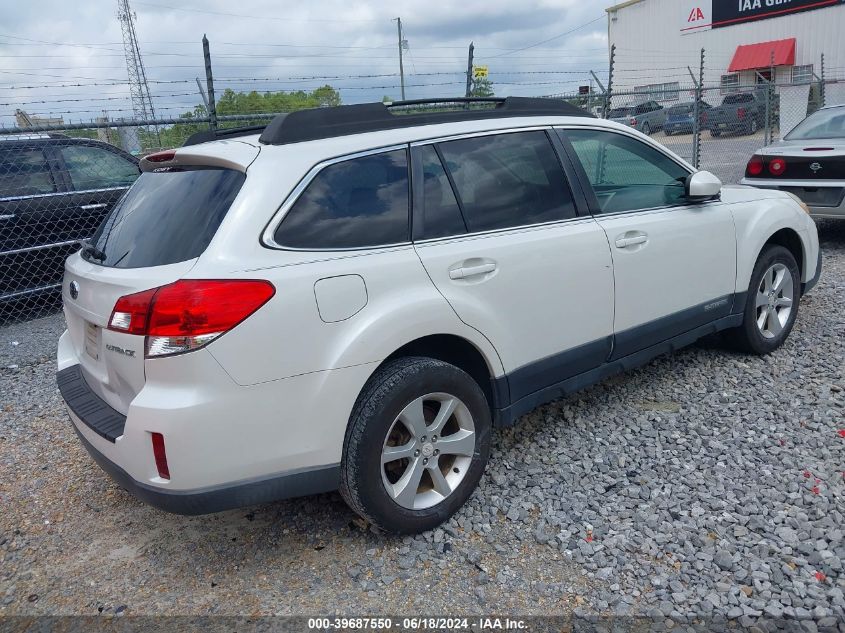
[[142, 103]]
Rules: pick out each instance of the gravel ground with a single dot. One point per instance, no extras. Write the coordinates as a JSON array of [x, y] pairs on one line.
[[706, 483]]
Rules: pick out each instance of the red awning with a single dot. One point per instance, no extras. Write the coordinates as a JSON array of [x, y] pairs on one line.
[[754, 56]]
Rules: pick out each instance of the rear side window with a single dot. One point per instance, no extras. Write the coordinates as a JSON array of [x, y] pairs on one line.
[[167, 217], [97, 168], [355, 203], [24, 172], [508, 180], [441, 213]]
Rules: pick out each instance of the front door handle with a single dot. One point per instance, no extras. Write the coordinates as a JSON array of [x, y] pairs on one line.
[[7, 216], [631, 240], [471, 271], [93, 207]]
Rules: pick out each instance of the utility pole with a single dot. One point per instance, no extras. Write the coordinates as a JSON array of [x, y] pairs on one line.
[[139, 90], [469, 69], [401, 67]]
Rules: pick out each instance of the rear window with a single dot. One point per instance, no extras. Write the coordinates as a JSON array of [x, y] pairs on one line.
[[620, 112], [681, 109], [167, 217]]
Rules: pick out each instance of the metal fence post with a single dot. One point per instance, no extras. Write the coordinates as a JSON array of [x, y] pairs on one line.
[[696, 123], [608, 94], [209, 82], [822, 84], [768, 133]]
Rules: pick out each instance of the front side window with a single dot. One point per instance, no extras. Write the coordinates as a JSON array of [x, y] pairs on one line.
[[97, 168], [24, 172], [508, 180], [357, 203], [626, 174]]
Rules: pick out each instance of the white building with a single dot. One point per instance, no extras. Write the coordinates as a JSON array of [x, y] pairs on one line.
[[656, 40]]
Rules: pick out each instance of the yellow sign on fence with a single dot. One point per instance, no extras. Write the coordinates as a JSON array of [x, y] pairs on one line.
[[479, 72]]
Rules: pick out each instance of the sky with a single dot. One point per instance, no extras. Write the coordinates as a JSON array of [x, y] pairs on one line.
[[60, 58]]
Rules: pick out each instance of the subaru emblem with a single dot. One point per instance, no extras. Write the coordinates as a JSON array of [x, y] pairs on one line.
[[74, 289], [815, 167]]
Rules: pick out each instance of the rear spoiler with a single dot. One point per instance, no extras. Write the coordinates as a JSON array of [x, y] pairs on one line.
[[216, 135]]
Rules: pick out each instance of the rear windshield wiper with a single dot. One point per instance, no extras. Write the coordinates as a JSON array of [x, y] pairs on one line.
[[92, 251]]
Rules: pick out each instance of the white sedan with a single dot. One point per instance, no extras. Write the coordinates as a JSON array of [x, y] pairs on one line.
[[809, 162]]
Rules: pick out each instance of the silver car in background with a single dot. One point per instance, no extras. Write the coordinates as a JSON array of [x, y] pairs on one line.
[[646, 117]]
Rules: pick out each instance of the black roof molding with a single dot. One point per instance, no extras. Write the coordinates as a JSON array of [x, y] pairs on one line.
[[215, 135], [320, 123]]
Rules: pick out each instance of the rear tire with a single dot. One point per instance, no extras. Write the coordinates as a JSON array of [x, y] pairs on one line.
[[416, 446], [715, 133], [646, 129], [771, 305]]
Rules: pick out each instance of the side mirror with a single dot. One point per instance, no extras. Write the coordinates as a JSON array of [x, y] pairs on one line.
[[702, 185]]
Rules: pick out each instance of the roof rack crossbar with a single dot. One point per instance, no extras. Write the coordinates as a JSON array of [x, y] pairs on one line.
[[320, 123]]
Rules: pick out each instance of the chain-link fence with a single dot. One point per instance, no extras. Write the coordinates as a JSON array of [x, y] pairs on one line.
[[56, 187]]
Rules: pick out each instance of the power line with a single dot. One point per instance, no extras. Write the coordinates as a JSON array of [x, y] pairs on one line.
[[540, 43], [253, 17]]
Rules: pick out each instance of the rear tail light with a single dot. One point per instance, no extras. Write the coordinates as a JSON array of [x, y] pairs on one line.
[[187, 314], [704, 117], [754, 166], [777, 166], [633, 122], [740, 113], [160, 456]]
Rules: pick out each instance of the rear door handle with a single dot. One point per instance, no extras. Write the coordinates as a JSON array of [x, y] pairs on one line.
[[471, 271], [92, 207], [633, 240]]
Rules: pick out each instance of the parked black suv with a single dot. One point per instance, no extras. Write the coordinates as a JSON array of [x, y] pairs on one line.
[[54, 192]]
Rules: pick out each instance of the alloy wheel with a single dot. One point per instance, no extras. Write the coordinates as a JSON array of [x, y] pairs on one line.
[[428, 451], [775, 297]]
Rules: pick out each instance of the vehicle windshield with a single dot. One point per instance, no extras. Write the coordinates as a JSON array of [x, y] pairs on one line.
[[827, 123], [620, 112]]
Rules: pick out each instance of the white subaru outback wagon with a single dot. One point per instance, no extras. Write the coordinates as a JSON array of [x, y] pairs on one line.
[[355, 297]]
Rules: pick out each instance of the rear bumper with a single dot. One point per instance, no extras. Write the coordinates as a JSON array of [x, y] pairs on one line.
[[227, 445], [833, 210], [217, 499], [89, 413]]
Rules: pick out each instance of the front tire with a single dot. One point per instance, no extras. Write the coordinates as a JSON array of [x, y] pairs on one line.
[[646, 129], [771, 306], [416, 446]]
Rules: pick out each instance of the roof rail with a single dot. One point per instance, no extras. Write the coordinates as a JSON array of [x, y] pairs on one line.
[[319, 123], [215, 135]]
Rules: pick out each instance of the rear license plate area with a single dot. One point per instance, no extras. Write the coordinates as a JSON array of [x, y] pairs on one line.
[[92, 340]]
